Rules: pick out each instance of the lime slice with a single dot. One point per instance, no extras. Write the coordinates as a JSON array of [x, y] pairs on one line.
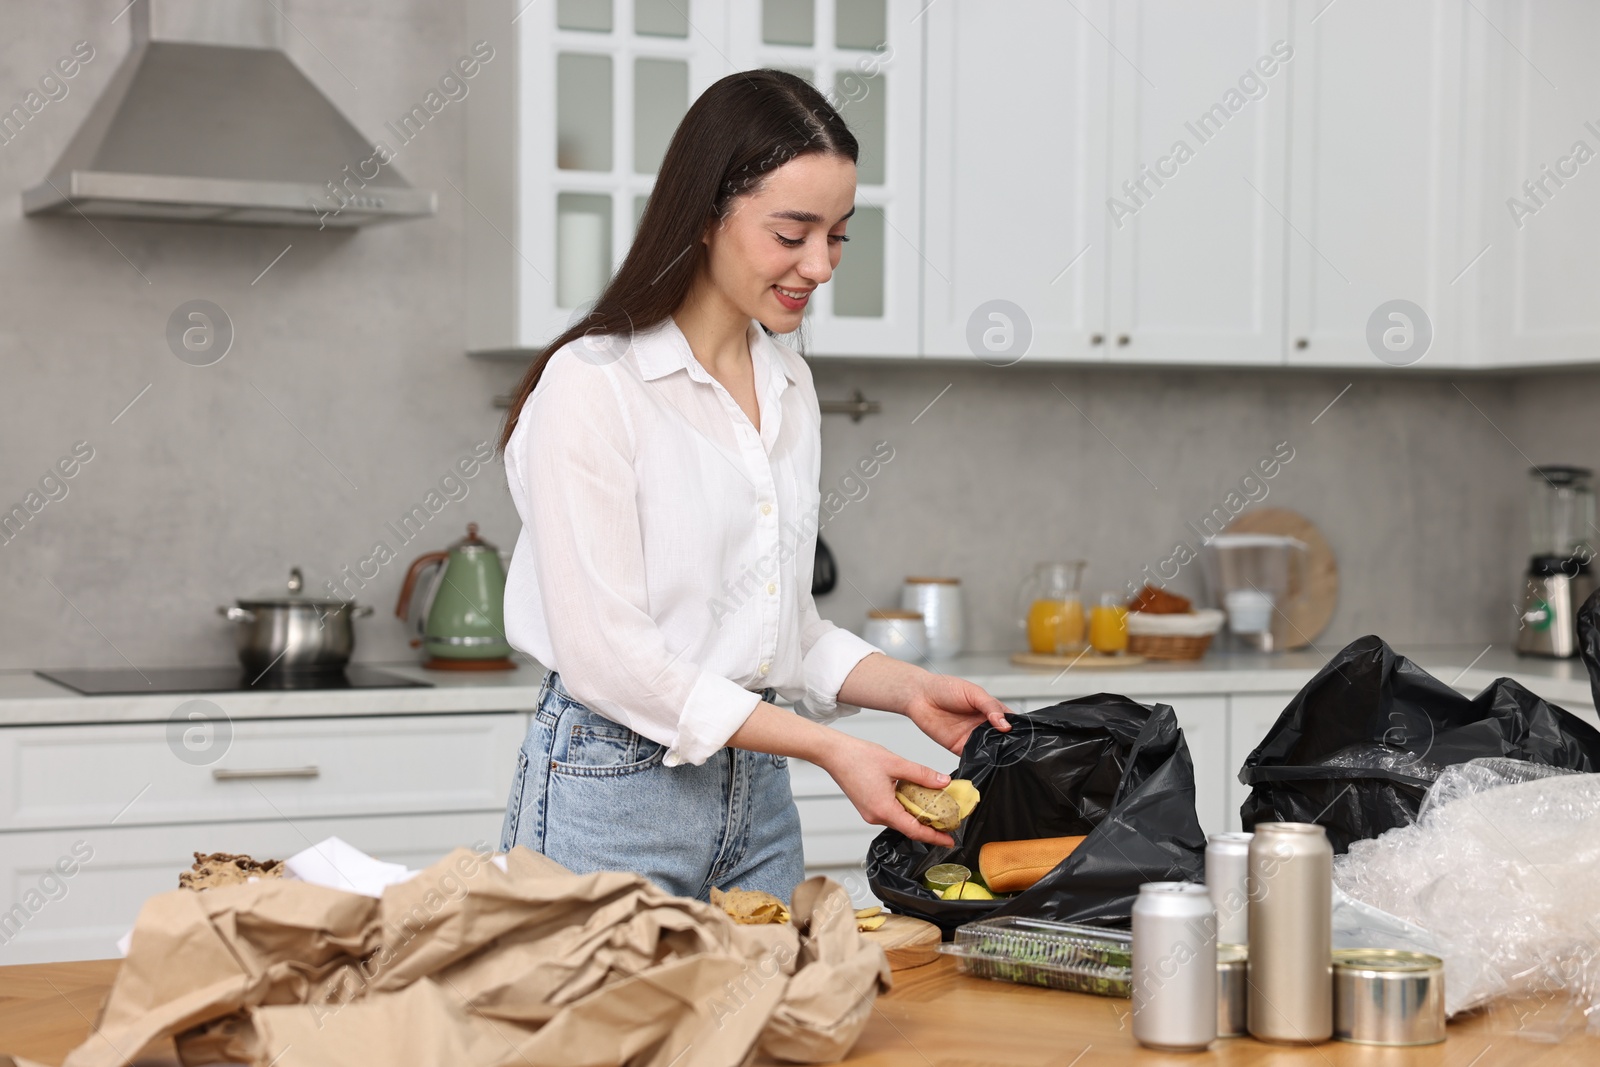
[[944, 875], [966, 891]]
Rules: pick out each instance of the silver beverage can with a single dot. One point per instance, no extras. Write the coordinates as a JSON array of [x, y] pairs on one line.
[[1385, 996], [1174, 967], [1290, 886], [1227, 861], [1233, 991]]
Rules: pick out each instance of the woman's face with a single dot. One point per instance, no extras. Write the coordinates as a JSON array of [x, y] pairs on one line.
[[782, 240]]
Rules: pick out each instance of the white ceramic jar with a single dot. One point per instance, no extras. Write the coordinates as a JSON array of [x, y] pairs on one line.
[[899, 633], [938, 600]]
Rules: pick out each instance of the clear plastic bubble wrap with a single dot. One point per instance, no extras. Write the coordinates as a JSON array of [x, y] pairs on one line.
[[1502, 867]]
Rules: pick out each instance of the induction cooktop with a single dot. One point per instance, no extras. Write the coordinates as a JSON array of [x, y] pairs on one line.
[[120, 681]]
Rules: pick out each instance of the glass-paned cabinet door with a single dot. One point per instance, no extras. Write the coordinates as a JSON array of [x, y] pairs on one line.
[[865, 56], [603, 86]]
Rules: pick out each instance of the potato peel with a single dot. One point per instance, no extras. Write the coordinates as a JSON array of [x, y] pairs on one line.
[[942, 809]]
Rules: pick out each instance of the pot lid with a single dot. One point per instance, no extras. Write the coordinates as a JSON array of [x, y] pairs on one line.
[[292, 593]]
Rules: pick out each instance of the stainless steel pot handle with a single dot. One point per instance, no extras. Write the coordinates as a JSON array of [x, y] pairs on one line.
[[223, 774], [235, 613], [361, 611]]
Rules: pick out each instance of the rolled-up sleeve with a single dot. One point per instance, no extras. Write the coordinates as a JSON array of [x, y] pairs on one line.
[[577, 474], [829, 654]]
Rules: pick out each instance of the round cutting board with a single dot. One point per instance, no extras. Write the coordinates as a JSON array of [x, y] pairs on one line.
[[906, 941], [1310, 615], [1090, 661]]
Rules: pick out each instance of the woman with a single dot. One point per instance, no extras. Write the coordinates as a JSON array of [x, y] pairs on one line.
[[663, 455]]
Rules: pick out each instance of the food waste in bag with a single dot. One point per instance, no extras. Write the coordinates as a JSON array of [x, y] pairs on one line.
[[1104, 768]]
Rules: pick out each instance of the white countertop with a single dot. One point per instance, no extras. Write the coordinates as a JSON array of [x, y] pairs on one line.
[[26, 699]]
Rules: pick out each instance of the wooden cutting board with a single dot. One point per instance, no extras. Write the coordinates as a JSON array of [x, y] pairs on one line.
[[1309, 617], [906, 941], [1091, 661]]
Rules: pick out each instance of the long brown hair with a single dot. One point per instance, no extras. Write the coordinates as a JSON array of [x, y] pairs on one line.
[[740, 129]]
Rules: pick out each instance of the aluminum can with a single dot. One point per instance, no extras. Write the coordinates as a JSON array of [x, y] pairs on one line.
[[1174, 967], [1233, 993], [1384, 996], [1290, 886], [1227, 861]]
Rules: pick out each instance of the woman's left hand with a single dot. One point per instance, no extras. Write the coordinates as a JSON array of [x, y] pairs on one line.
[[948, 709]]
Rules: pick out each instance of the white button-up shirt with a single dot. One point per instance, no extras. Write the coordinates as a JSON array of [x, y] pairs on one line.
[[664, 564]]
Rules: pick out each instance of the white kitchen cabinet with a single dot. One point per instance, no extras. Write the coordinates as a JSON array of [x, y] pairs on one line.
[[601, 86], [1541, 200], [405, 788], [1198, 177], [1015, 181], [1204, 721], [866, 57], [270, 769], [81, 916], [1250, 716], [1377, 175]]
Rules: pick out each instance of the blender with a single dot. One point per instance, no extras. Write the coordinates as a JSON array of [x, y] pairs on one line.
[[1256, 578], [1560, 518]]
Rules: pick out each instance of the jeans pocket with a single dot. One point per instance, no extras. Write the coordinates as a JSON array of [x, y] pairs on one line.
[[519, 789], [599, 748], [780, 762]]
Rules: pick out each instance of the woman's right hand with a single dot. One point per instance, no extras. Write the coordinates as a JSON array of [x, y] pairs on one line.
[[868, 774]]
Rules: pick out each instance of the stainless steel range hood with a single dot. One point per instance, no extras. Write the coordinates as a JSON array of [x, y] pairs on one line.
[[208, 120]]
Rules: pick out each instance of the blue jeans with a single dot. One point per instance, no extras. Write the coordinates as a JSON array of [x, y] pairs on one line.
[[593, 795]]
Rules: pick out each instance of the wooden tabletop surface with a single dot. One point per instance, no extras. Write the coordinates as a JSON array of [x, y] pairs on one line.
[[936, 1017]]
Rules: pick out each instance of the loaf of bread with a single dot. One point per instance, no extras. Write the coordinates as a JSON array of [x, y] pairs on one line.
[[1012, 866]]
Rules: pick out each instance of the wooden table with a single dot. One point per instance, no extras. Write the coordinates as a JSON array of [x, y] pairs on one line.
[[938, 1018]]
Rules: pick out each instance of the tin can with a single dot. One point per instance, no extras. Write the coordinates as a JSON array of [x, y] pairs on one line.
[[1174, 967], [1385, 996], [1291, 933], [1227, 860], [1232, 991]]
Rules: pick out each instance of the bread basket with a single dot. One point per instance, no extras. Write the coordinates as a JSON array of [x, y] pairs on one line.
[[1184, 636]]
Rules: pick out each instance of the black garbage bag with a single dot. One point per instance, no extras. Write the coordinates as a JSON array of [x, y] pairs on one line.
[[1357, 748], [1103, 766]]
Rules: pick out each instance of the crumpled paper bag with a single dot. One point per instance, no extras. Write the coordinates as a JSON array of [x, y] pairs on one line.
[[468, 963]]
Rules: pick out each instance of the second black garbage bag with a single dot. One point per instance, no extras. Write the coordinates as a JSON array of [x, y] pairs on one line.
[[1357, 748], [1103, 766]]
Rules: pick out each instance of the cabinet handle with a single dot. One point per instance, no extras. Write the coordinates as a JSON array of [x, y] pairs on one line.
[[1123, 338], [223, 774], [1301, 342], [1097, 338]]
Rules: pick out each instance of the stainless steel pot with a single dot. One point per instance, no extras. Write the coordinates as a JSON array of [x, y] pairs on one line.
[[294, 632]]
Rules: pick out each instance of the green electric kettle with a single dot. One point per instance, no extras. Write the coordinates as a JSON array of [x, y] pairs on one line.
[[462, 625]]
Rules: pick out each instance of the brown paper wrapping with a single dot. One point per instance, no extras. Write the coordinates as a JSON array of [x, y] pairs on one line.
[[468, 964]]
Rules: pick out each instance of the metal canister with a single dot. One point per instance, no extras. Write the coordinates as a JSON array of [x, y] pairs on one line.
[[1174, 967], [1290, 886], [1387, 997], [1227, 861], [1232, 991]]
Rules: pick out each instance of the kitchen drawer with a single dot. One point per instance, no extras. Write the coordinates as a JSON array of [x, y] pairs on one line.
[[833, 832], [85, 776], [896, 733], [81, 917], [854, 880]]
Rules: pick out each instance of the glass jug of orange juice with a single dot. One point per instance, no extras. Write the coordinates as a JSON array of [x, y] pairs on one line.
[[1052, 607]]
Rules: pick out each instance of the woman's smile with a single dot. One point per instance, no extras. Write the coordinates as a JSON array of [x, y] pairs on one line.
[[793, 299]]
